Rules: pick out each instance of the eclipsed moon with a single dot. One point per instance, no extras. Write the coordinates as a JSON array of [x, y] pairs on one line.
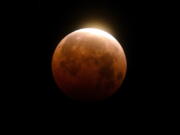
[[89, 65]]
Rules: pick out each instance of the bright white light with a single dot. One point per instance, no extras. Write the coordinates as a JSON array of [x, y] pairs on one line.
[[97, 32]]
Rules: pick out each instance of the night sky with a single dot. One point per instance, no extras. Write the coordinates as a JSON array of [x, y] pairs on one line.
[[136, 25], [148, 97]]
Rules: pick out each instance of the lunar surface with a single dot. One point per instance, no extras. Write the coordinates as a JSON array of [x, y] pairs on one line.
[[89, 65]]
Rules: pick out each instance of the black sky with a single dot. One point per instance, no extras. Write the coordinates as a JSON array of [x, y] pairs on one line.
[[147, 30]]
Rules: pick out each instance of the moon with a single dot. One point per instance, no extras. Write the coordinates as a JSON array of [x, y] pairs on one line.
[[89, 65]]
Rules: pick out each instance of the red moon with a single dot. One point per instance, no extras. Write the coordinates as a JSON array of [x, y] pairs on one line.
[[89, 65]]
